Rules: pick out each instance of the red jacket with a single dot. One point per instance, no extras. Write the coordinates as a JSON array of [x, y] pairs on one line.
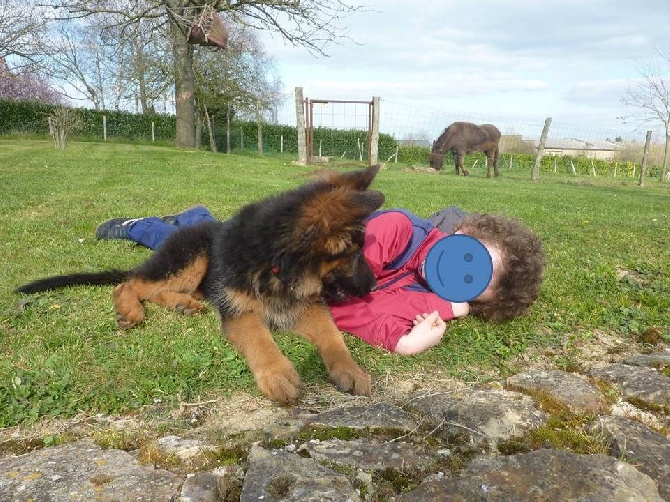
[[396, 244]]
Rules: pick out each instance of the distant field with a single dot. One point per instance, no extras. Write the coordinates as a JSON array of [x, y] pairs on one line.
[[607, 243]]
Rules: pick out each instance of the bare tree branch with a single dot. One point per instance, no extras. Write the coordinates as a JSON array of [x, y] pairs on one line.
[[651, 96], [22, 32]]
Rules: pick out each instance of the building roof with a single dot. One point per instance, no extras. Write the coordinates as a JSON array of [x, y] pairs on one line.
[[579, 144]]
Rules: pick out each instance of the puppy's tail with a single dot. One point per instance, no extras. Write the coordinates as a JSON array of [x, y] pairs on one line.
[[107, 278]]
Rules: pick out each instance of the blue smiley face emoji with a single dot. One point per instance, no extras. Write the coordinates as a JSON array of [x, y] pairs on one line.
[[458, 268]]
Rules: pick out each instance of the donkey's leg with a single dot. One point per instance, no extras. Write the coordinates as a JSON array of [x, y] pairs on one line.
[[496, 156], [458, 162], [489, 162]]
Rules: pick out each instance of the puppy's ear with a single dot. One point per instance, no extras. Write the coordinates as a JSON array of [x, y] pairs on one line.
[[329, 220], [363, 203], [354, 180]]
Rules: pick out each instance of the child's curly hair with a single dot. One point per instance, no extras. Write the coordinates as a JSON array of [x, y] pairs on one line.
[[517, 285]]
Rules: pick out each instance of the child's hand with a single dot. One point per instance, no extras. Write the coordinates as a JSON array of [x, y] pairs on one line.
[[422, 317], [427, 332]]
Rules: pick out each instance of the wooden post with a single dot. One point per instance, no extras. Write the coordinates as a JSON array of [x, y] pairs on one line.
[[153, 131], [104, 127], [259, 127], [645, 155], [535, 174], [281, 143], [374, 133], [300, 119]]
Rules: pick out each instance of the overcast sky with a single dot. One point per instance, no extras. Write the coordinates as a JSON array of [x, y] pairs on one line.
[[517, 60]]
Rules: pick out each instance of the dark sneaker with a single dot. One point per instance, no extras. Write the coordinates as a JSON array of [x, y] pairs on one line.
[[116, 228]]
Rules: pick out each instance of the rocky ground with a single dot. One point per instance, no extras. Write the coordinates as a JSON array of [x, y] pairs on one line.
[[588, 422]]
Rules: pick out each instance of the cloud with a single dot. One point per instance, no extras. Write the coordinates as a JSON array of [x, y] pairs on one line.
[[570, 58], [593, 92]]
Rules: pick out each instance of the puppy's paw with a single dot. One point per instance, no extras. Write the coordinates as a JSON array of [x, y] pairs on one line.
[[280, 382], [348, 377], [128, 320], [190, 309]]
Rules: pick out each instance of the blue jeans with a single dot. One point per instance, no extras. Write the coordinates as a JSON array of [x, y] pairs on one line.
[[152, 231]]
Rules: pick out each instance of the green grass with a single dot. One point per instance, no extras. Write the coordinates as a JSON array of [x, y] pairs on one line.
[[63, 354]]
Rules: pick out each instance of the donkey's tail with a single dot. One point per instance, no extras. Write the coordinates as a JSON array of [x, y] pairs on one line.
[[106, 278]]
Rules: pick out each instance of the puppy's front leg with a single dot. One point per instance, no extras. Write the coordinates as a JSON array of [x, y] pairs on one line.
[[275, 375], [317, 326]]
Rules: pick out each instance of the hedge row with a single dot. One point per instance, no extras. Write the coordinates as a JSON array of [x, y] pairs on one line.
[[25, 117], [31, 118]]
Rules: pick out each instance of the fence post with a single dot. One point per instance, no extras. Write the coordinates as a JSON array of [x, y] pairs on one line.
[[374, 134], [645, 155], [535, 174], [153, 131], [104, 127], [259, 127], [300, 126]]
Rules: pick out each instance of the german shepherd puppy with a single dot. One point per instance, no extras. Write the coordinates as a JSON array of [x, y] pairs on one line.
[[268, 267]]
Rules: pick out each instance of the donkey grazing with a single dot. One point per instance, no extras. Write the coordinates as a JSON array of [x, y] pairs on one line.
[[465, 137]]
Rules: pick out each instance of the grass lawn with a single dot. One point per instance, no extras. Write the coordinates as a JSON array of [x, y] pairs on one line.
[[608, 269]]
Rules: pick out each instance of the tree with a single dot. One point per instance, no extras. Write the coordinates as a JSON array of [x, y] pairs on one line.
[[651, 95], [238, 81], [22, 32], [309, 23], [26, 85], [78, 62], [112, 66]]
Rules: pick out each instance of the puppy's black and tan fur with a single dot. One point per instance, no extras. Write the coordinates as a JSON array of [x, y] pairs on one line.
[[268, 267]]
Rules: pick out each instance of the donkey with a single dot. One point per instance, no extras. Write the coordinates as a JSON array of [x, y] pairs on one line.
[[465, 137]]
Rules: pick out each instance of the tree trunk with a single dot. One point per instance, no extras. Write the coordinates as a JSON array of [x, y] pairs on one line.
[[664, 169], [184, 85], [645, 156], [228, 112], [198, 131], [212, 141], [141, 81]]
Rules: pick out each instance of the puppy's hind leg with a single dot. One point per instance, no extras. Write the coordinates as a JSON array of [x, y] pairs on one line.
[[174, 291], [184, 303], [128, 305], [317, 326]]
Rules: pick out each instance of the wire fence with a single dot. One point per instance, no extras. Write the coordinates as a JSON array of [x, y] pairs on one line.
[[412, 125]]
